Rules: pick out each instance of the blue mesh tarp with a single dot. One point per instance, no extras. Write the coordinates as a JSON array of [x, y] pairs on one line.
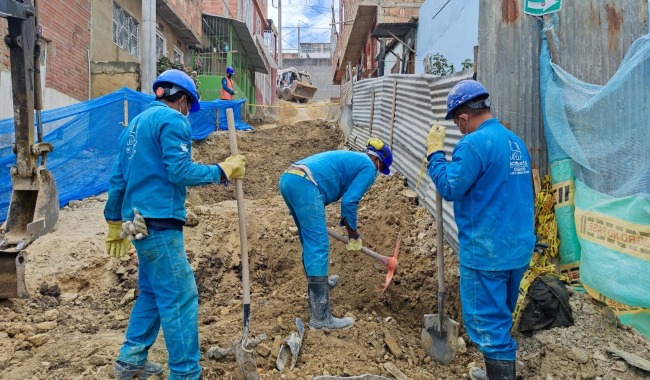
[[85, 135], [599, 150]]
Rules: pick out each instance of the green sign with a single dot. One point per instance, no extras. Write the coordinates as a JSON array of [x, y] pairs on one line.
[[541, 7]]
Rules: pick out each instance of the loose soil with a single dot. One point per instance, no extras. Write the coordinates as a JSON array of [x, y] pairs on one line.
[[74, 322]]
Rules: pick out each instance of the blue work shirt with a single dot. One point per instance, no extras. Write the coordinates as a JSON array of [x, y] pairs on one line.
[[342, 174], [154, 166], [489, 181]]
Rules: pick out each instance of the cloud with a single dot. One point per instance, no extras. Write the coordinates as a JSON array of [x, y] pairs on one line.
[[313, 17]]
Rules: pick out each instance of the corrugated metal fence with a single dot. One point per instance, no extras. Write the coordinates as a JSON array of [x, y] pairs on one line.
[[400, 110], [594, 36]]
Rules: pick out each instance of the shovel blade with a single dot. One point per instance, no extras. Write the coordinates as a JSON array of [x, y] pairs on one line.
[[440, 341], [246, 360]]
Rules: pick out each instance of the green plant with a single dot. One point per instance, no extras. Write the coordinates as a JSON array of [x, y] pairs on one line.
[[467, 64], [440, 66], [165, 63]]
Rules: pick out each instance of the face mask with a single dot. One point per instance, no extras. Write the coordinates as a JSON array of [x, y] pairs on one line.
[[187, 110]]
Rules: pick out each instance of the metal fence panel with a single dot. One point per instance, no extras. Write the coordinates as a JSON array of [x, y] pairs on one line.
[[594, 35], [420, 101]]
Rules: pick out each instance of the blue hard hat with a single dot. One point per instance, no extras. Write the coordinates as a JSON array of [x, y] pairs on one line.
[[385, 155], [182, 80], [463, 92], [230, 70]]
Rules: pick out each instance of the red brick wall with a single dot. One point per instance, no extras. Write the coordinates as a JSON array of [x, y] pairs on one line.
[[189, 11], [65, 27], [216, 7]]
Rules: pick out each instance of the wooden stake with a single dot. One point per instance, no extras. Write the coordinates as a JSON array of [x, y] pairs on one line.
[[392, 114]]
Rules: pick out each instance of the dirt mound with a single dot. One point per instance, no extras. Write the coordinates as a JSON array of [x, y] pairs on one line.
[[74, 323]]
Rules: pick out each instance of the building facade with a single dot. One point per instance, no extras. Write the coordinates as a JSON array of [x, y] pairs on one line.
[[356, 42], [65, 42]]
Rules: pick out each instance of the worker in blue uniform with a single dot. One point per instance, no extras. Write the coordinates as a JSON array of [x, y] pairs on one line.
[[310, 184], [489, 181], [153, 167]]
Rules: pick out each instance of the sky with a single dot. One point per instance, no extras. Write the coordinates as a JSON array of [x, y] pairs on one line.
[[313, 16]]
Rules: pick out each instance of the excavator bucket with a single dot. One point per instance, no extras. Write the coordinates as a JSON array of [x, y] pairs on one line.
[[33, 212], [303, 91]]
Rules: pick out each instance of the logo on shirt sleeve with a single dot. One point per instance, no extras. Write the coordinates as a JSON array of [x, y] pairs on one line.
[[518, 165]]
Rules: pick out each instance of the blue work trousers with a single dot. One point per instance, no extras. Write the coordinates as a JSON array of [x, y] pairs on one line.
[[488, 299], [168, 297], [306, 205]]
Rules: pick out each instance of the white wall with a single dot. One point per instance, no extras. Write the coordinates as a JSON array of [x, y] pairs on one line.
[[453, 33], [51, 98]]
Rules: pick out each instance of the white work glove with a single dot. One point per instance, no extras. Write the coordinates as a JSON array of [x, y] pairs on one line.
[[135, 229]]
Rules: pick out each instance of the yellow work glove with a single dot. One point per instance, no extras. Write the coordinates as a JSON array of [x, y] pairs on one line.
[[116, 246], [354, 244], [233, 167], [436, 139], [375, 143]]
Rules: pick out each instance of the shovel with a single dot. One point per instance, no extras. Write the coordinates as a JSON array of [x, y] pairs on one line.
[[389, 262], [439, 333], [244, 356]]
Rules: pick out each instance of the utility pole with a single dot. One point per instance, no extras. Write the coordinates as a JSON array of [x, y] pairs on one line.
[[298, 38], [280, 33], [148, 51]]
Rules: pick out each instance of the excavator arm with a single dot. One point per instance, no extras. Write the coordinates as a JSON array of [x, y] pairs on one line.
[[34, 206]]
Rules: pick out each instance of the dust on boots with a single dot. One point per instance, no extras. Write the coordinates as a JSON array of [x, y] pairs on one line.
[[494, 370], [320, 312]]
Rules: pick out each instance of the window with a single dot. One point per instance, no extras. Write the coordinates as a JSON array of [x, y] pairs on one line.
[[125, 30], [161, 45], [178, 55]]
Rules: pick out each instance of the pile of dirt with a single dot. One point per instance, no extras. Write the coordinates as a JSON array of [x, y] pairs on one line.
[[74, 323]]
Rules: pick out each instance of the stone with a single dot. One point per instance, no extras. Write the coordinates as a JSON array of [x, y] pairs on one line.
[[422, 235], [462, 346], [51, 315], [620, 366], [191, 220], [128, 297], [263, 350], [46, 326], [69, 297], [409, 194], [38, 339], [392, 345], [578, 355], [393, 370]]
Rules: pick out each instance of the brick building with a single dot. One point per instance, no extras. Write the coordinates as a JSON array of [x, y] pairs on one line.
[[256, 62], [363, 28], [65, 40]]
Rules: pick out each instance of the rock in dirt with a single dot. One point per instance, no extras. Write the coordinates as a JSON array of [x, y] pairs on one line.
[[191, 220], [462, 346], [263, 350], [38, 339], [46, 326], [578, 355], [393, 370], [128, 297], [49, 290], [409, 194], [392, 345]]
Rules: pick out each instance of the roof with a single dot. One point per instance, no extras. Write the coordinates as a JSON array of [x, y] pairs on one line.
[[359, 29], [246, 39], [398, 29], [179, 25], [249, 45]]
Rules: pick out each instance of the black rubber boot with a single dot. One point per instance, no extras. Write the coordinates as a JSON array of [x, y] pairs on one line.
[[320, 313], [500, 369]]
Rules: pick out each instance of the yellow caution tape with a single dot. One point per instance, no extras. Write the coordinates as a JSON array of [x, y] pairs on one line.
[[546, 229]]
